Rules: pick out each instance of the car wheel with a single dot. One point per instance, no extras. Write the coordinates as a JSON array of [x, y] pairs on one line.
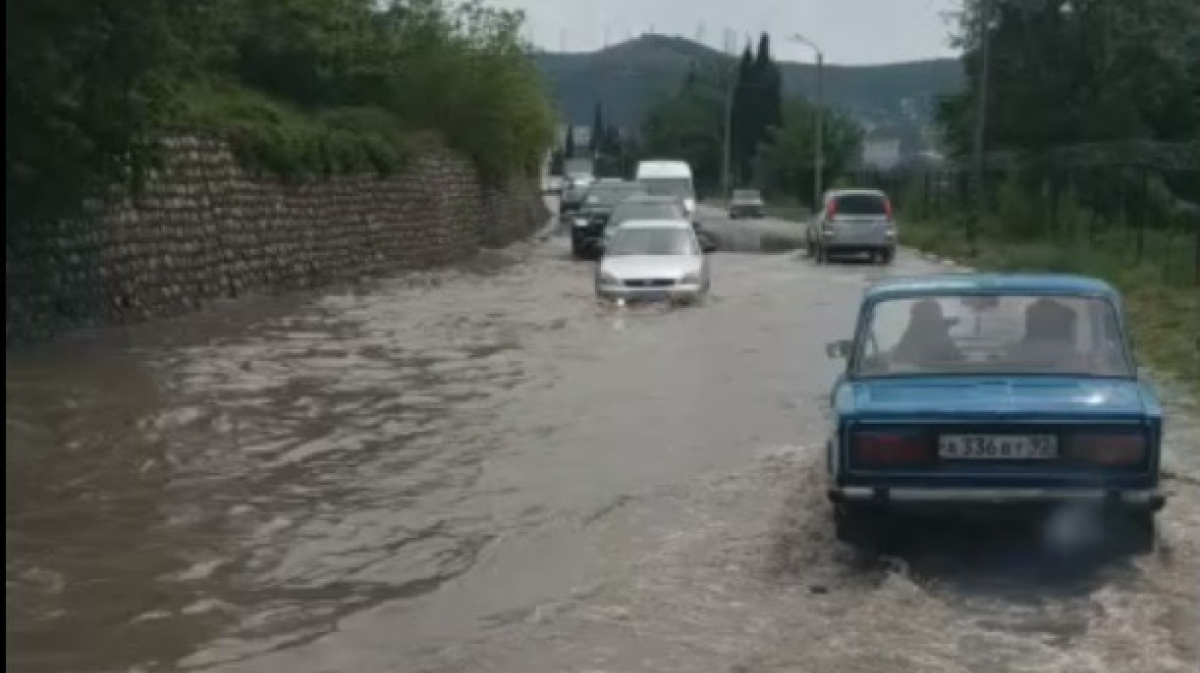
[[887, 256], [1132, 532]]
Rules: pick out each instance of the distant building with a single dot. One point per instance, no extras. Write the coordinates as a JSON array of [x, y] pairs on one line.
[[880, 154], [582, 135]]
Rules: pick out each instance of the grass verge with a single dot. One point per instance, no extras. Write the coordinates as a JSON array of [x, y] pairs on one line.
[[1163, 302]]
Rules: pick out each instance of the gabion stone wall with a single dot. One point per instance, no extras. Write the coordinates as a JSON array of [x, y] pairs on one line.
[[203, 228]]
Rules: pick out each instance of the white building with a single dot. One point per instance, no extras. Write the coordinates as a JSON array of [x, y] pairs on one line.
[[880, 154]]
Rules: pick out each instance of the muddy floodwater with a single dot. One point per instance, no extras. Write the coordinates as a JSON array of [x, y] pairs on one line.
[[482, 469]]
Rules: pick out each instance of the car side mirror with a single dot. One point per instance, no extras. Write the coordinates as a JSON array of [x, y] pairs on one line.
[[838, 349]]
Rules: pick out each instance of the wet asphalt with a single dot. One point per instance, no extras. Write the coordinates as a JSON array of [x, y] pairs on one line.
[[483, 469]]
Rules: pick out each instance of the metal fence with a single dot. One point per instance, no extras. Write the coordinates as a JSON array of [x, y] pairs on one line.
[[1142, 206]]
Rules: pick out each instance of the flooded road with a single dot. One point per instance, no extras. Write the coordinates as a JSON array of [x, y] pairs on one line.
[[484, 470]]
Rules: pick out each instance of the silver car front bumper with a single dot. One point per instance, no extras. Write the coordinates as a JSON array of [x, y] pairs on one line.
[[679, 292]]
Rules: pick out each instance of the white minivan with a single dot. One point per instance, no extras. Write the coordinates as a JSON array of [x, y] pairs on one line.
[[669, 177]]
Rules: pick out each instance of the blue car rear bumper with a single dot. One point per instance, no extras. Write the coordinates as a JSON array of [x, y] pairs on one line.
[[1150, 498]]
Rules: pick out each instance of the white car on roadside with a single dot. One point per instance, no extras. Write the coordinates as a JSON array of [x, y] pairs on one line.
[[654, 260]]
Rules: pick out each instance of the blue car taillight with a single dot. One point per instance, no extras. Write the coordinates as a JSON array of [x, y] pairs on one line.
[[1108, 449], [882, 448]]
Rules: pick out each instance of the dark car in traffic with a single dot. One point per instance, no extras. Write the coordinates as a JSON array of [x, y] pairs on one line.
[[574, 190], [589, 223]]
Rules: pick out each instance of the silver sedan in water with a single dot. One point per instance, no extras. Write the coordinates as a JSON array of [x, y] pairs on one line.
[[654, 260]]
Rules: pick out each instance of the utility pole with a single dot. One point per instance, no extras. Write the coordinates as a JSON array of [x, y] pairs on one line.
[[725, 186], [819, 113], [977, 149]]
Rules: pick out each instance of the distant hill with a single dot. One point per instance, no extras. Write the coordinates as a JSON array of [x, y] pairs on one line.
[[625, 77]]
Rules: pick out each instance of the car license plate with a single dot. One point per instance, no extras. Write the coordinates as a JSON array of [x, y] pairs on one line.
[[998, 447]]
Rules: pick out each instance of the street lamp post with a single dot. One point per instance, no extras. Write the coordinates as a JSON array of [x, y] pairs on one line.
[[977, 145], [728, 150], [819, 144]]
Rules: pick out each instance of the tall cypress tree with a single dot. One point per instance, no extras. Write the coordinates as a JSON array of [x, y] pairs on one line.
[[768, 97], [596, 142], [744, 116], [569, 144]]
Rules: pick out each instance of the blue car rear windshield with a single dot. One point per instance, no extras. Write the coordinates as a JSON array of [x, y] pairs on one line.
[[990, 334]]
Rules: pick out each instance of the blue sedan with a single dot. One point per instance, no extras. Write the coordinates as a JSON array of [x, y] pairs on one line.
[[996, 390]]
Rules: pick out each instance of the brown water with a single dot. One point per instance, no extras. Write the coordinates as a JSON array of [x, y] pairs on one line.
[[483, 470]]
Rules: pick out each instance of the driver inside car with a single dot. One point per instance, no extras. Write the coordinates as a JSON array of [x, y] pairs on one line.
[[1050, 336], [926, 341]]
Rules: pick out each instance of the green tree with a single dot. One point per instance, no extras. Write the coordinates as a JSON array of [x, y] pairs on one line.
[[689, 124], [769, 92], [1080, 71], [81, 91], [786, 160], [596, 140], [303, 85], [745, 117]]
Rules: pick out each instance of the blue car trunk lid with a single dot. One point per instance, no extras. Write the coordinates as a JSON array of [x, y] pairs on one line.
[[1031, 397], [1006, 409]]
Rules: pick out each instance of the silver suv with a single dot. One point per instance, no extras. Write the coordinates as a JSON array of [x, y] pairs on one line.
[[853, 221]]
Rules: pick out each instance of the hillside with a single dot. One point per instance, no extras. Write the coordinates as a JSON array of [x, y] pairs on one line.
[[626, 76]]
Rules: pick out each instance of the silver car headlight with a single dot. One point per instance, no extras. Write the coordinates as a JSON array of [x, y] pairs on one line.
[[691, 278], [581, 222]]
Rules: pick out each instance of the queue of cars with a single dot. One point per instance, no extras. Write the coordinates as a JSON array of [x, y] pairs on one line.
[[961, 393], [642, 232]]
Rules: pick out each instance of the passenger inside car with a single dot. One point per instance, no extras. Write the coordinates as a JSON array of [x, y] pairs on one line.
[[1050, 337]]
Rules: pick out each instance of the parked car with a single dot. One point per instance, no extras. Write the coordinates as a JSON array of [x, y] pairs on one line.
[[853, 221], [993, 390], [574, 191], [588, 224], [648, 260], [746, 203]]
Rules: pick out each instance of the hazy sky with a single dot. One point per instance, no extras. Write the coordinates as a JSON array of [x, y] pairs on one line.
[[848, 31]]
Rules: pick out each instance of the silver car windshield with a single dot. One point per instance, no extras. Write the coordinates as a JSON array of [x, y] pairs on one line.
[[681, 187], [646, 211], [607, 196], [992, 335], [652, 241]]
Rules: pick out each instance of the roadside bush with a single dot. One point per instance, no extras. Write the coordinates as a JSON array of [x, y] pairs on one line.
[[301, 87]]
